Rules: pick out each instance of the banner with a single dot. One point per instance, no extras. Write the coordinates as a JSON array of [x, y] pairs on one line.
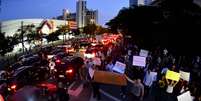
[[119, 67], [109, 78], [185, 97], [144, 53], [172, 75], [184, 75], [139, 61]]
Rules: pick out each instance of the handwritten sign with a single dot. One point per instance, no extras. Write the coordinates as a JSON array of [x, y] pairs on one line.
[[185, 97], [139, 61], [119, 67], [172, 75], [109, 78], [144, 53], [184, 75]]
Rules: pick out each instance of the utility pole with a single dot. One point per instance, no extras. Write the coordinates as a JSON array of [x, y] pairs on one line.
[[22, 35]]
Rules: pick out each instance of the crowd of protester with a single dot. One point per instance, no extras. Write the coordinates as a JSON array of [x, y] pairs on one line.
[[141, 84]]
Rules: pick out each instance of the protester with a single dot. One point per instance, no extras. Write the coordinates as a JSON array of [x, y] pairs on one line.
[[148, 81]]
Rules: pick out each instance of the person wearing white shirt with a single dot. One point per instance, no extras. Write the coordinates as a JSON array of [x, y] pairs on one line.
[[148, 81], [109, 66]]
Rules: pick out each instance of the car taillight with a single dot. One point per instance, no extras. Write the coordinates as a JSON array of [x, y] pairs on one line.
[[69, 71], [13, 87], [58, 61], [1, 98]]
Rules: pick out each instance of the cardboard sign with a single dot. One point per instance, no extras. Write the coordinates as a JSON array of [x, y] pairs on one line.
[[139, 61], [109, 78], [97, 61], [172, 75], [185, 97], [184, 75], [144, 53], [119, 67]]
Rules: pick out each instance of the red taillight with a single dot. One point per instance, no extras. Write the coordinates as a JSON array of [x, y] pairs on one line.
[[58, 61], [13, 87], [1, 98], [69, 71]]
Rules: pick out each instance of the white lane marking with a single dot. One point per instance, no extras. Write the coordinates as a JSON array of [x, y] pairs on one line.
[[108, 95]]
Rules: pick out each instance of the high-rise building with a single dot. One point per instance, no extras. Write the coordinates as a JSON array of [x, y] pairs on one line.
[[65, 14], [92, 17], [140, 2], [133, 3], [81, 13]]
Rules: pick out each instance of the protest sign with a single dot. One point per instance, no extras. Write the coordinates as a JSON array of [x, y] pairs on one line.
[[154, 75], [139, 61], [185, 97], [119, 67], [109, 78], [184, 75], [97, 61], [52, 65], [144, 53], [172, 75], [50, 56]]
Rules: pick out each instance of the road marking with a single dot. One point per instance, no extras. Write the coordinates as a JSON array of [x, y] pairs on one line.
[[108, 95]]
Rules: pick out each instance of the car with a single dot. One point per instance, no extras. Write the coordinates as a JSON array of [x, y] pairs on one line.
[[24, 56], [27, 75]]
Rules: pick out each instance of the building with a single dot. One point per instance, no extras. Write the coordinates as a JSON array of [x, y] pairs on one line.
[[81, 13], [133, 3], [10, 27], [65, 14], [139, 2], [91, 17]]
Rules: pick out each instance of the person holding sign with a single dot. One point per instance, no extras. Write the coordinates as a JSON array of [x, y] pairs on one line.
[[172, 79]]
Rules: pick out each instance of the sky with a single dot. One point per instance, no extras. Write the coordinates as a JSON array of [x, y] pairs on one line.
[[17, 9]]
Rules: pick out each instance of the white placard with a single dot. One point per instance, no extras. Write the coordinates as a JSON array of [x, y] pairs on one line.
[[184, 75], [91, 72], [50, 56], [89, 55], [119, 67], [154, 75], [97, 61], [139, 61], [144, 53], [52, 65], [185, 97]]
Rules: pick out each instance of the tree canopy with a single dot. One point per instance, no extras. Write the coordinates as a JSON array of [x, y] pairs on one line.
[[5, 44], [170, 23]]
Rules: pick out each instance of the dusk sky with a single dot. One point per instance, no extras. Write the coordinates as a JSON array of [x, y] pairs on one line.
[[16, 9]]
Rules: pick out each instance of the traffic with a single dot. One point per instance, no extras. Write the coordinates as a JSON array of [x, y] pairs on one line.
[[52, 69]]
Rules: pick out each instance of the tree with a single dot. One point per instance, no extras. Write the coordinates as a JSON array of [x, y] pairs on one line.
[[6, 44], [90, 29], [165, 24], [52, 37]]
